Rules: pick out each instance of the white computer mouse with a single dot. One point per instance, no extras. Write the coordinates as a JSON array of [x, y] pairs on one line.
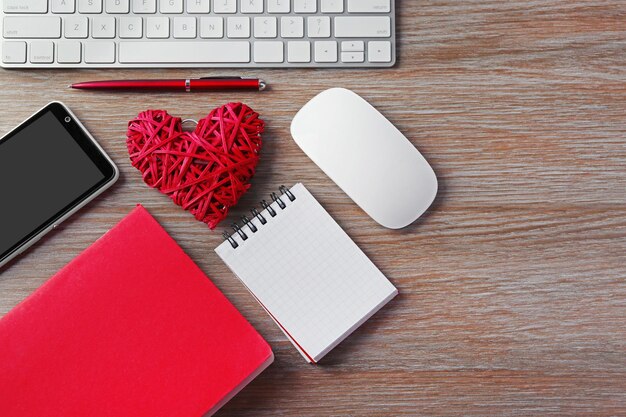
[[366, 156]]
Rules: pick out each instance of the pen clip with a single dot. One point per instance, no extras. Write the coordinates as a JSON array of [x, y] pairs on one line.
[[221, 78]]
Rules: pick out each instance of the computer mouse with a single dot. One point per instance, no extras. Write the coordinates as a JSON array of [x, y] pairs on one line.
[[366, 156]]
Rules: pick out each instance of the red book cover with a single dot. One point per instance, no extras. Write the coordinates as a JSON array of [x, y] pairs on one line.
[[131, 327]]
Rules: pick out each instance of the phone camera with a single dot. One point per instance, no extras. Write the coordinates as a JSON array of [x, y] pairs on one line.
[[67, 119]]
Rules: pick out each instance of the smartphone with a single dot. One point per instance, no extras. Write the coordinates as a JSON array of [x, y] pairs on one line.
[[50, 167]]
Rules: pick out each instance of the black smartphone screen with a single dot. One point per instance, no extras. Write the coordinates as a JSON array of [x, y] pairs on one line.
[[47, 167]]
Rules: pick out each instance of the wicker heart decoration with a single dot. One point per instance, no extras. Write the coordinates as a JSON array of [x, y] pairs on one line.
[[205, 171]]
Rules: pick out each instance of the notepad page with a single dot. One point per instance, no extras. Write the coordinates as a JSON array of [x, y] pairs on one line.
[[308, 274]]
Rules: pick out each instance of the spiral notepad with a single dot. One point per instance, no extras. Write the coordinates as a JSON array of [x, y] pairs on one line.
[[305, 271]]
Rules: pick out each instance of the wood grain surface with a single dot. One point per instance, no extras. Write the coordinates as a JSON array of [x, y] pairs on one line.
[[512, 287]]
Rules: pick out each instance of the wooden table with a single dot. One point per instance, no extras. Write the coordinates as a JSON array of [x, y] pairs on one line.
[[512, 287]]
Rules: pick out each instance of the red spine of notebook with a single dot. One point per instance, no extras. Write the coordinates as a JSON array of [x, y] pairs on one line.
[[131, 327]]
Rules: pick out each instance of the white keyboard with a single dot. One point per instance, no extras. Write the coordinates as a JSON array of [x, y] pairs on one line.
[[198, 33]]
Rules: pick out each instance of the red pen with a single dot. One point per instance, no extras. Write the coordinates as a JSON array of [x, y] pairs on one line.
[[188, 85]]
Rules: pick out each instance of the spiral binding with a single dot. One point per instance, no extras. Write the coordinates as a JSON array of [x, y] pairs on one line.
[[247, 223]]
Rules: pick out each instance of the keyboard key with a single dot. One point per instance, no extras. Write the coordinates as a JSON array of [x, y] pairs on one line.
[[102, 52], [62, 6], [198, 6], [32, 27], [171, 6], [225, 6], [25, 6], [265, 27], [353, 46], [41, 52], [332, 6], [299, 51], [268, 52], [352, 57], [305, 6], [157, 27], [184, 27], [379, 51], [144, 6], [103, 27], [89, 6], [369, 6], [362, 27], [76, 27], [292, 27], [68, 52], [278, 6], [238, 27], [318, 27], [117, 6], [190, 52], [251, 6], [211, 27], [14, 52], [131, 27], [326, 51]]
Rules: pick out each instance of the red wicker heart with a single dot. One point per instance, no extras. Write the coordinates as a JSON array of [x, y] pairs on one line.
[[205, 171]]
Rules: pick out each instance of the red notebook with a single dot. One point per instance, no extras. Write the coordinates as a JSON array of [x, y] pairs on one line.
[[131, 327]]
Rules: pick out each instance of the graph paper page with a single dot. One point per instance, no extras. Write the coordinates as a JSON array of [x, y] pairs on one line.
[[308, 274]]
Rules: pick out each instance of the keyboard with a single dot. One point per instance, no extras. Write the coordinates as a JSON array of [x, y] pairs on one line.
[[198, 33]]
